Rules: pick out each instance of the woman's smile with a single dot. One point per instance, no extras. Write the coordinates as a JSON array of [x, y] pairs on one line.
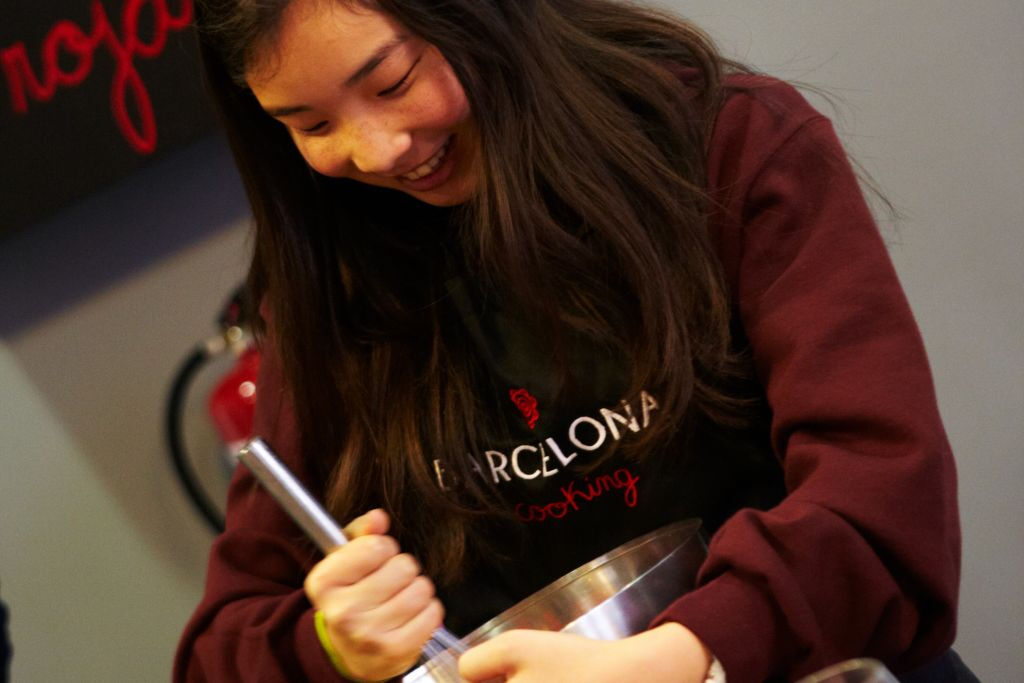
[[434, 172], [428, 166]]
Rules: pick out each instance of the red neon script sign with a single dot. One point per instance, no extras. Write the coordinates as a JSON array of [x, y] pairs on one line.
[[66, 37]]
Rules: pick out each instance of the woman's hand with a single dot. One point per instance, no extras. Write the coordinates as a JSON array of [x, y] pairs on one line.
[[670, 652], [378, 608]]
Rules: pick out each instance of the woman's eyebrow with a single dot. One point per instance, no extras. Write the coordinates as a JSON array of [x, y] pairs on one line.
[[279, 112], [375, 59]]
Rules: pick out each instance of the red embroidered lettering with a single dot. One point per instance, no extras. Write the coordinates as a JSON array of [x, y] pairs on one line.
[[624, 479], [619, 480]]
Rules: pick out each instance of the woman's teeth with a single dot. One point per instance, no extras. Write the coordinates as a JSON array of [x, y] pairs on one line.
[[428, 166]]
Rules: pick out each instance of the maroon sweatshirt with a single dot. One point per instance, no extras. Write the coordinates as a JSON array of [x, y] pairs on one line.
[[834, 520]]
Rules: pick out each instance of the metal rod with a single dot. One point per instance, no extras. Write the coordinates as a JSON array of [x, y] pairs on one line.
[[292, 495]]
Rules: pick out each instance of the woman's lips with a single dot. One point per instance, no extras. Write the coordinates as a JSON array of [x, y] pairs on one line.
[[439, 174]]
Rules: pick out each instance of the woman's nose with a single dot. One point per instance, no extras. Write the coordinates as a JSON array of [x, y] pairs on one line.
[[364, 148], [376, 150]]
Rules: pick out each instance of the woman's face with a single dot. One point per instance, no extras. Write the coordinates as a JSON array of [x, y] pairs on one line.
[[364, 99]]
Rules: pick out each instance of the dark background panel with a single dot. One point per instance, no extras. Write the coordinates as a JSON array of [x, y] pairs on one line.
[[67, 147]]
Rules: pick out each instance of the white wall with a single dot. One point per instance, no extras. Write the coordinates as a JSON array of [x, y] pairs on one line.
[[101, 560]]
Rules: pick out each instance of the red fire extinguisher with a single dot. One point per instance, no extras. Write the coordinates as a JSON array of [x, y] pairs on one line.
[[232, 401], [230, 404]]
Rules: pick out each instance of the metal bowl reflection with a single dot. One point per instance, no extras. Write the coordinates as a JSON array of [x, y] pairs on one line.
[[610, 597]]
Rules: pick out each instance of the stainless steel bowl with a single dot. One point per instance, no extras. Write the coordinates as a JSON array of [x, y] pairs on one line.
[[611, 597]]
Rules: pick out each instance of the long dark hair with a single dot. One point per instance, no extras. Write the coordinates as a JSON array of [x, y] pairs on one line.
[[593, 117]]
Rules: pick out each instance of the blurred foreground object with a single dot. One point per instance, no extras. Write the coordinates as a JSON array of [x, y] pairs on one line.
[[852, 671]]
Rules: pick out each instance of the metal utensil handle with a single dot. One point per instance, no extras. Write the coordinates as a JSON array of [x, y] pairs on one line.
[[292, 495], [312, 518]]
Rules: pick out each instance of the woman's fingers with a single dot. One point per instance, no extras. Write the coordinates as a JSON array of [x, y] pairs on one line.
[[385, 600], [405, 605], [667, 653], [407, 620], [387, 581], [350, 563], [374, 522], [493, 659], [417, 631]]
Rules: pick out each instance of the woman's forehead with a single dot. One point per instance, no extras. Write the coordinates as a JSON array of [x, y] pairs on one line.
[[313, 34]]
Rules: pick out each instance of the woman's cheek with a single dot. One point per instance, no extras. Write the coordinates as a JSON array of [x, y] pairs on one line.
[[319, 156], [453, 94], [309, 153]]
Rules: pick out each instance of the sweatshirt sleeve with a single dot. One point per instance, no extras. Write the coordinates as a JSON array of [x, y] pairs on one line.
[[862, 555], [254, 622]]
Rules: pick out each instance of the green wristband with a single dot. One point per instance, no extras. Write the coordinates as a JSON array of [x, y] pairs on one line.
[[320, 621], [325, 642]]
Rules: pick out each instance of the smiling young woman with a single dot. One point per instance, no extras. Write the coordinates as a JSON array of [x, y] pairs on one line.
[[484, 227]]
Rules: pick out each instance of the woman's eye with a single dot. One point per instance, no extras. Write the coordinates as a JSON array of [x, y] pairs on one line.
[[395, 88], [313, 129]]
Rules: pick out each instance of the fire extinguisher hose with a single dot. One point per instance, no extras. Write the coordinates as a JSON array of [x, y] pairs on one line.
[[175, 439]]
